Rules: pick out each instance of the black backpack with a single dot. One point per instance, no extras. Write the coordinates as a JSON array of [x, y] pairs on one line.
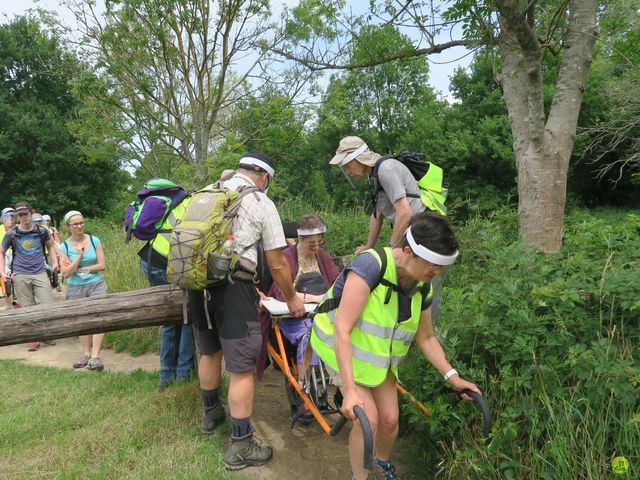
[[416, 165]]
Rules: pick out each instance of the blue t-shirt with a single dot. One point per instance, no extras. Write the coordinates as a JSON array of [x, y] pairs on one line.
[[28, 254], [367, 267], [89, 258]]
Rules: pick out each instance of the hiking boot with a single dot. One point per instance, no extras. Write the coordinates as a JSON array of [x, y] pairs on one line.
[[95, 364], [246, 452], [386, 470], [82, 361], [213, 418], [33, 346], [163, 385]]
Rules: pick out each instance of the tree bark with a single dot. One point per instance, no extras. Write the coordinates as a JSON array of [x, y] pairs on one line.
[[118, 311], [543, 149]]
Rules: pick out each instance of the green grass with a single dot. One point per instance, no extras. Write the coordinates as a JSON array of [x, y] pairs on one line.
[[74, 425]]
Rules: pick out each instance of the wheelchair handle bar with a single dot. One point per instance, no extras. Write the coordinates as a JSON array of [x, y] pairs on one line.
[[338, 426], [367, 434], [487, 419]]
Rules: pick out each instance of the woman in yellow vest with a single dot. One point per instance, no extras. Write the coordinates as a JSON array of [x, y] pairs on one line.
[[376, 308]]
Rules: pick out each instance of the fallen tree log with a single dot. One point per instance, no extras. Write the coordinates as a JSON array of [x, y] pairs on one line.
[[117, 311]]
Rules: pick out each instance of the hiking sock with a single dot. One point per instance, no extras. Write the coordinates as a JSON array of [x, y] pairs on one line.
[[210, 398], [241, 427]]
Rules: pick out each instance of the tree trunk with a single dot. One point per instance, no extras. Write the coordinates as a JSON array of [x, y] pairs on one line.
[[542, 186], [118, 311], [543, 149]]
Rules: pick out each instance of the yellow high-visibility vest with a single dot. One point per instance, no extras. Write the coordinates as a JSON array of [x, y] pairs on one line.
[[378, 341]]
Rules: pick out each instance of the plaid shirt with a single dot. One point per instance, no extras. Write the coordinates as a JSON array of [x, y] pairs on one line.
[[257, 221]]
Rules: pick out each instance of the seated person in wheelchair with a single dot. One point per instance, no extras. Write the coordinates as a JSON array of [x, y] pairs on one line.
[[379, 305], [313, 271]]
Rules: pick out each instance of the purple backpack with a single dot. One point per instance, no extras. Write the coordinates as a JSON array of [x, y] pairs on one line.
[[144, 217]]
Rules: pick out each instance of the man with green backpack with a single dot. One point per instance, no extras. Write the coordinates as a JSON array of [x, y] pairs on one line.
[[400, 185], [234, 214]]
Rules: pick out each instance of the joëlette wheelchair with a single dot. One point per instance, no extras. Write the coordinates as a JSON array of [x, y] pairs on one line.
[[323, 400]]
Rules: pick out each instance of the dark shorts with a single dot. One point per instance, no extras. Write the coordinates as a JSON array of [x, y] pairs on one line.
[[233, 314]]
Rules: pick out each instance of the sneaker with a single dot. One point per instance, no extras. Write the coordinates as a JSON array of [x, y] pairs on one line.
[[33, 346], [246, 452], [213, 418], [49, 343], [82, 361], [387, 469], [95, 364]]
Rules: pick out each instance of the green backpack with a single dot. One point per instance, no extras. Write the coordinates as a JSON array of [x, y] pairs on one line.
[[198, 237]]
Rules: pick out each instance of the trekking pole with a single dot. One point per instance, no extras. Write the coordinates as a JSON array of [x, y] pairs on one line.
[[368, 436]]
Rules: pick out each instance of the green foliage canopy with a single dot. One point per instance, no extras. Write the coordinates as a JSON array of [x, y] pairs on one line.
[[41, 161]]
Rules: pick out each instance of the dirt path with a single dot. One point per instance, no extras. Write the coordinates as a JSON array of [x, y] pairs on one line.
[[304, 452]]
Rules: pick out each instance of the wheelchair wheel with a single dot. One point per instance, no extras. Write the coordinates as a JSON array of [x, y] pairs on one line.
[[319, 387]]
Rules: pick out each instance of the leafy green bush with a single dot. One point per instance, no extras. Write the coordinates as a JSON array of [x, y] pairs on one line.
[[552, 342]]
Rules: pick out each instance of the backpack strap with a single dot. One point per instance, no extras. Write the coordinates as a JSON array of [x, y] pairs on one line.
[[375, 187], [333, 303], [41, 233]]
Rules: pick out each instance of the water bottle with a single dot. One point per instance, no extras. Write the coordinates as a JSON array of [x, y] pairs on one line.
[[222, 262]]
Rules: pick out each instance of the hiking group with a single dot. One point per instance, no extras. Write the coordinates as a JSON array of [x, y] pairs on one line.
[[31, 258], [220, 242]]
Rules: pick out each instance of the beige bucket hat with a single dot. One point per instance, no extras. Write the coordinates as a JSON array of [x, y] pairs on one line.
[[354, 148]]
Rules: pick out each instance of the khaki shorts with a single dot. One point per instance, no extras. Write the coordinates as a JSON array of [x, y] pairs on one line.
[[32, 289]]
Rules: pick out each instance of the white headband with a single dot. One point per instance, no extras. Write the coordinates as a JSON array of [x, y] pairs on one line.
[[258, 163], [311, 231], [358, 151], [430, 255]]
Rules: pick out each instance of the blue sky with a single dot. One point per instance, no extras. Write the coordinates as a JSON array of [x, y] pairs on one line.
[[442, 65]]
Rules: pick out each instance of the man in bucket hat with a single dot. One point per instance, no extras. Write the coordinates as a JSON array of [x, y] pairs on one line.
[[399, 197]]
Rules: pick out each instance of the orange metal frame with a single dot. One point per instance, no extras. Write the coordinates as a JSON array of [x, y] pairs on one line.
[[280, 357]]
